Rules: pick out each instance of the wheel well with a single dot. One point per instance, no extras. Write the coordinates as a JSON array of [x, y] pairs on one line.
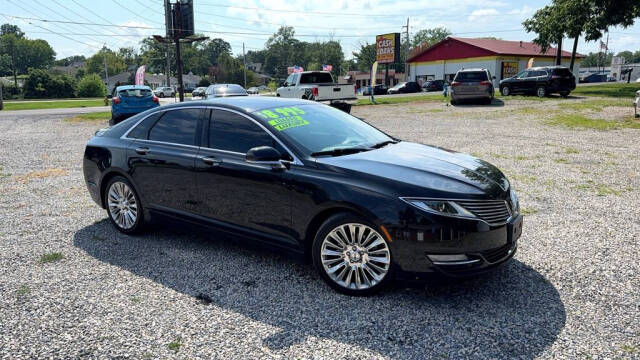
[[103, 185], [304, 97], [317, 221]]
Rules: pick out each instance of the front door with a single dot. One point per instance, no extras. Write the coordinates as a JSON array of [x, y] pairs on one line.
[[162, 160], [252, 196]]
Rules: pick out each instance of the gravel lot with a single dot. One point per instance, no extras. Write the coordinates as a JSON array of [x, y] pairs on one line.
[[571, 292]]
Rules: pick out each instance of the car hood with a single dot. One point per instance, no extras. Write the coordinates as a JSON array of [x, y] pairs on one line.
[[426, 167]]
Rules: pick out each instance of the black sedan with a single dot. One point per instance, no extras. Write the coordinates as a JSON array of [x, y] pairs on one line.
[[305, 178], [405, 88]]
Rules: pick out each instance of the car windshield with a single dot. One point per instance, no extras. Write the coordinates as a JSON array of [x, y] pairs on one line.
[[134, 93], [320, 128], [471, 76], [229, 90], [399, 85]]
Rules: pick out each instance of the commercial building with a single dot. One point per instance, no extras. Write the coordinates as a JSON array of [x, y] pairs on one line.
[[363, 78], [501, 57]]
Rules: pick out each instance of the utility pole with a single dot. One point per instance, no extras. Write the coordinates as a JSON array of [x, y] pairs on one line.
[[106, 73], [244, 60], [167, 24], [1, 104], [176, 38], [406, 64]]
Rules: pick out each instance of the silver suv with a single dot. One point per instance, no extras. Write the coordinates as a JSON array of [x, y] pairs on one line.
[[164, 91], [472, 84]]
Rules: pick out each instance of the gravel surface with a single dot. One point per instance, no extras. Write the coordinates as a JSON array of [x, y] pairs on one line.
[[571, 291]]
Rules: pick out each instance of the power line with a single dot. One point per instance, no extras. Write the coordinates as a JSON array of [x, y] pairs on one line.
[[135, 13]]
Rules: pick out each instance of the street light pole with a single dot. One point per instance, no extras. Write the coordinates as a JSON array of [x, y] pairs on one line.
[[244, 67]]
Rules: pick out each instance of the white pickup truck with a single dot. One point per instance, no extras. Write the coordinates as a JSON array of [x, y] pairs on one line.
[[318, 86]]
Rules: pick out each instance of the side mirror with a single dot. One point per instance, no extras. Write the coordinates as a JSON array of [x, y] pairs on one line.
[[265, 155], [493, 77]]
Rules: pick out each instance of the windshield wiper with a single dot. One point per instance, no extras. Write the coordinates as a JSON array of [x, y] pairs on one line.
[[340, 151], [384, 143]]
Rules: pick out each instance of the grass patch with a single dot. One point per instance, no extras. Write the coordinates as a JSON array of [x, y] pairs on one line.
[[571, 150], [23, 290], [136, 300], [528, 211], [578, 121], [608, 90], [524, 178], [3, 174], [34, 105], [529, 111], [561, 161], [91, 117], [604, 190], [524, 97], [41, 174], [595, 105], [523, 157], [175, 344], [629, 349], [51, 257], [401, 100]]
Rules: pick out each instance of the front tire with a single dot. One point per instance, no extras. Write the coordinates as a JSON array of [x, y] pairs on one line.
[[505, 91], [352, 256], [123, 205], [541, 91]]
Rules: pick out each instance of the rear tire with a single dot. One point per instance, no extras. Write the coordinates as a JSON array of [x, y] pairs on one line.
[[123, 206], [352, 256], [541, 91], [161, 95]]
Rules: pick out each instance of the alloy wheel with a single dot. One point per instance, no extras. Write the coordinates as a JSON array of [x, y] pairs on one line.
[[355, 256], [122, 205], [541, 91], [505, 91]]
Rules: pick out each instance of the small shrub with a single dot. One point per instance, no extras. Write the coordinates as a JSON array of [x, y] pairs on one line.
[[91, 86], [175, 344]]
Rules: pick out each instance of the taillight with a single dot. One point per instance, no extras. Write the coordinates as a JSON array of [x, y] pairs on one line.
[[314, 91], [155, 99], [486, 82], [116, 100], [455, 83]]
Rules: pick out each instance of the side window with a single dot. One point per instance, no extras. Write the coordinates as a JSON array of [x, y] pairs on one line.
[[523, 75], [289, 80], [142, 130], [176, 126], [233, 132]]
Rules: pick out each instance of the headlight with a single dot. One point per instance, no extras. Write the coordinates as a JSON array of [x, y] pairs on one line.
[[514, 201], [440, 207]]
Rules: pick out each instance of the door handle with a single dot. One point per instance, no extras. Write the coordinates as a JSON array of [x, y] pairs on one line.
[[142, 150], [210, 160]]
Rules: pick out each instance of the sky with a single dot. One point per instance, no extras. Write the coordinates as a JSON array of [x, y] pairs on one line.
[[352, 22]]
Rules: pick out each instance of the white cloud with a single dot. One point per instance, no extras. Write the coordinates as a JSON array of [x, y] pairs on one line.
[[482, 14]]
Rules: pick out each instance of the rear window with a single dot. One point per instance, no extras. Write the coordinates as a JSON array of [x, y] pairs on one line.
[[471, 76], [316, 78], [134, 93], [231, 89], [562, 72]]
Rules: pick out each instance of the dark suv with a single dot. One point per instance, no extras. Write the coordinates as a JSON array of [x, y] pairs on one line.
[[433, 85], [540, 81], [472, 84]]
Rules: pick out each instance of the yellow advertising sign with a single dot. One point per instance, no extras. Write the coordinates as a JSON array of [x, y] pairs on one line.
[[388, 48]]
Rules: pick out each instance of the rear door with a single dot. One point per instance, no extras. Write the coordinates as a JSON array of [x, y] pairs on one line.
[[252, 196], [162, 160]]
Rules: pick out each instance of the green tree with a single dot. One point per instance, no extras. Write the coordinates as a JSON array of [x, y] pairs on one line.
[[282, 51], [95, 64], [70, 60], [40, 84], [11, 29], [91, 86], [365, 56], [428, 37]]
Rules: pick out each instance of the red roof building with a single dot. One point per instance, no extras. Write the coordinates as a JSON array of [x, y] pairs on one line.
[[501, 57]]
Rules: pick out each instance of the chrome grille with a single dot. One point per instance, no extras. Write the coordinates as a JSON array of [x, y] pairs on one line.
[[491, 211]]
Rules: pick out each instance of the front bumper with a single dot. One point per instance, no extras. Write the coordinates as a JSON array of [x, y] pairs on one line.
[[481, 247]]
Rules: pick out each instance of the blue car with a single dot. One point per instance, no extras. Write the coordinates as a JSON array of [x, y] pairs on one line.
[[129, 100]]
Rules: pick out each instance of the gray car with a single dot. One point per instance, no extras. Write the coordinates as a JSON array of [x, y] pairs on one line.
[[224, 90], [164, 91], [472, 84]]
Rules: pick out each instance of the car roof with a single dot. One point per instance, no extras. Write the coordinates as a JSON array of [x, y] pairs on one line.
[[129, 87], [245, 103], [472, 69]]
